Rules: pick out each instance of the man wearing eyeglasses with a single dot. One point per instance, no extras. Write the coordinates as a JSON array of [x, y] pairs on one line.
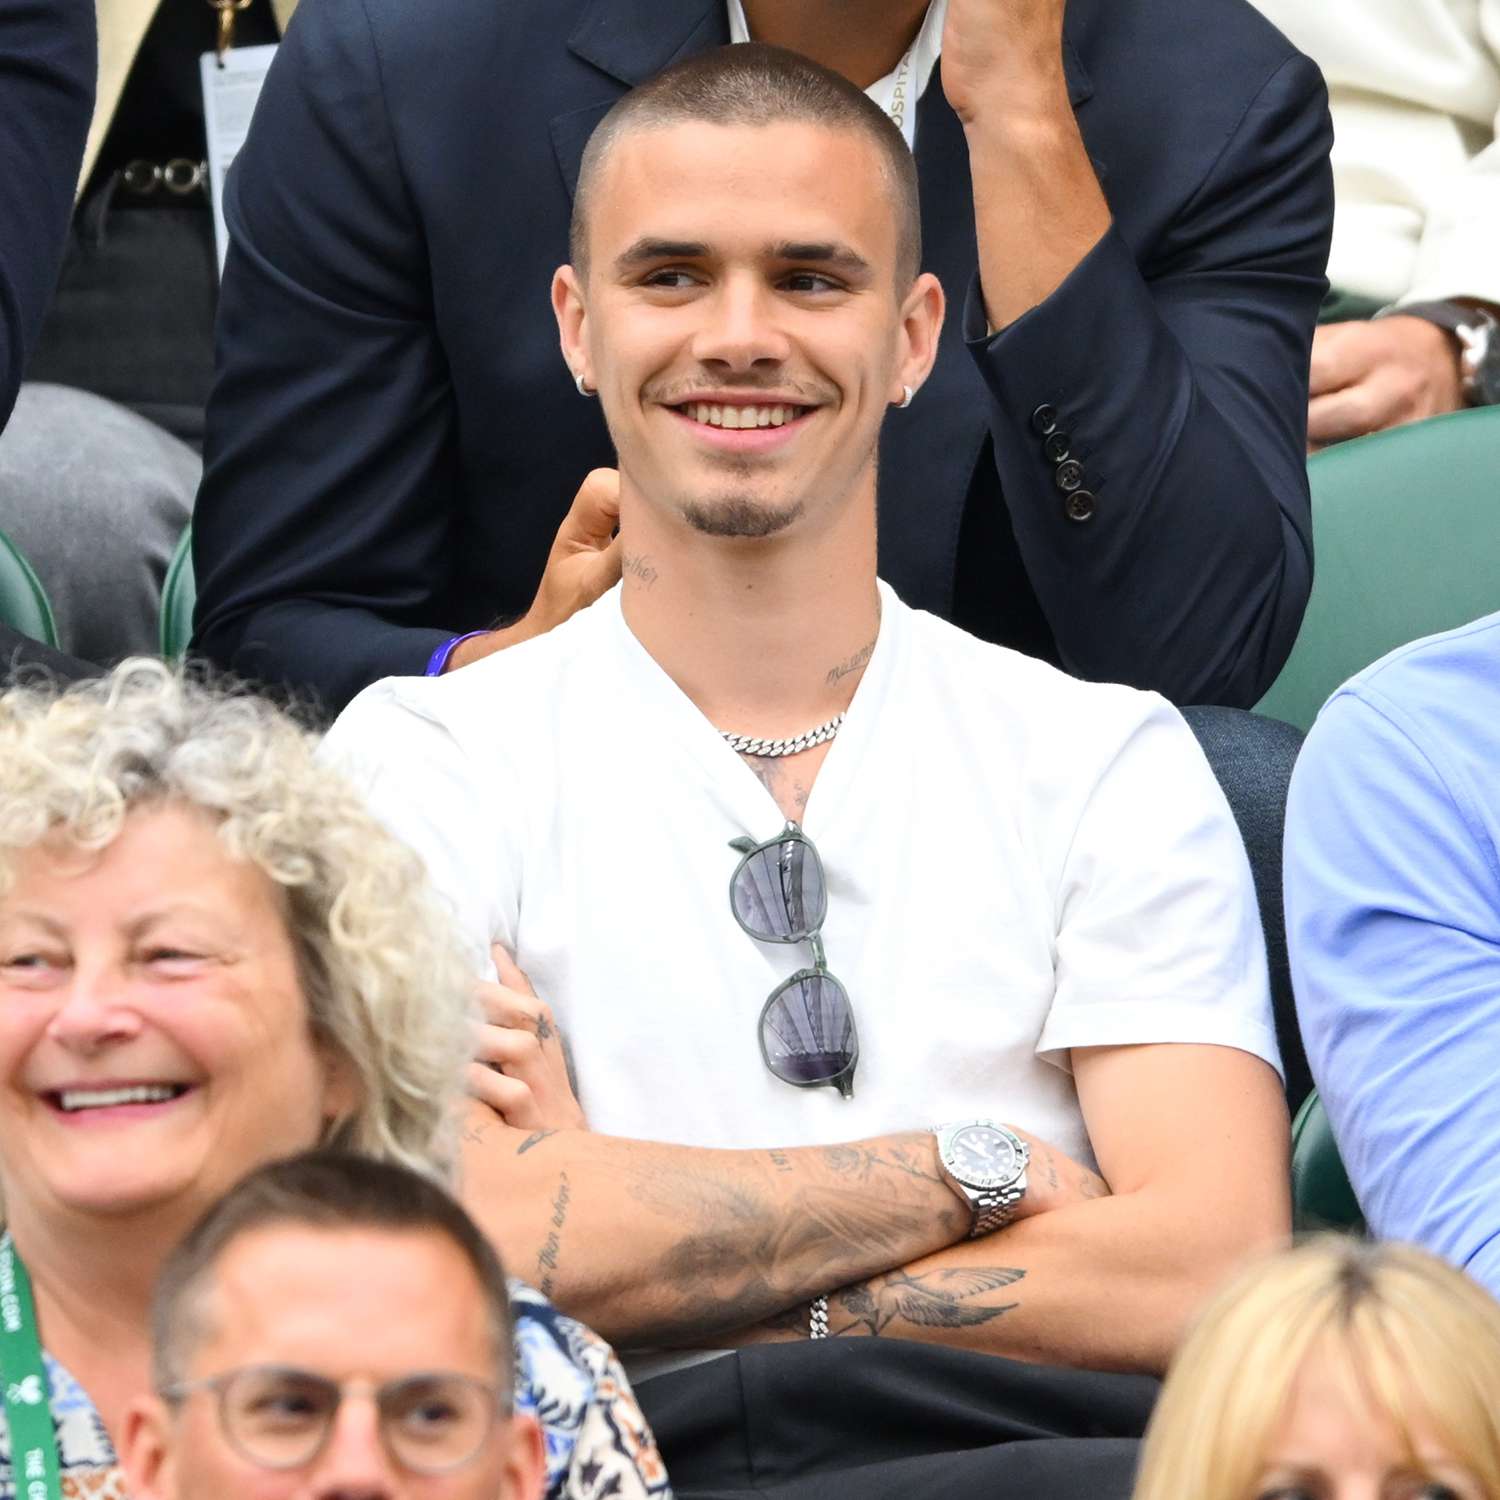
[[339, 1327], [806, 873]]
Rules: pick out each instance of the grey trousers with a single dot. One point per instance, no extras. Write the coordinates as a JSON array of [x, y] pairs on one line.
[[96, 498]]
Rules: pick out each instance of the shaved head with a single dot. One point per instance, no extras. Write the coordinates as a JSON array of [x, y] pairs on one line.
[[753, 84]]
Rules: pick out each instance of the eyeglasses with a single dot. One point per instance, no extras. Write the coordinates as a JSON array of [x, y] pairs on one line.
[[778, 895], [280, 1418]]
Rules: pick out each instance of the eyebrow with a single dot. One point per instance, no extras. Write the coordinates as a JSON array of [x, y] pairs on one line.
[[647, 249], [21, 916], [823, 253], [829, 253], [133, 928]]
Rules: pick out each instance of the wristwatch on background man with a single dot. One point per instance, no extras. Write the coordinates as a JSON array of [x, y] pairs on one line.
[[1478, 335], [986, 1164]]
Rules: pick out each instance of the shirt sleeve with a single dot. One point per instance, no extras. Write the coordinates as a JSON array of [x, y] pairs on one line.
[[323, 532], [598, 1443], [1182, 389], [615, 1457], [1457, 256], [1158, 930], [48, 60], [423, 786], [1393, 927]]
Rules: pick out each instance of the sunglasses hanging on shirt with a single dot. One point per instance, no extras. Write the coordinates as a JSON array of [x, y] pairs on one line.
[[778, 895]]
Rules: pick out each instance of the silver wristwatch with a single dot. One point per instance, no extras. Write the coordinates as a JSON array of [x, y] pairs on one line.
[[986, 1163]]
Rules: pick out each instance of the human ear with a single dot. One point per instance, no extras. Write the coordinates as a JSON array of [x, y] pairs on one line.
[[921, 322], [342, 1091], [145, 1450], [569, 309], [525, 1460]]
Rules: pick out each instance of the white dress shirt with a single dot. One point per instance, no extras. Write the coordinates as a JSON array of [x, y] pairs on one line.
[[1415, 91]]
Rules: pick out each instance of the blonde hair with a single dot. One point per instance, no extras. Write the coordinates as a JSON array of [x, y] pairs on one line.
[[1413, 1340], [385, 982]]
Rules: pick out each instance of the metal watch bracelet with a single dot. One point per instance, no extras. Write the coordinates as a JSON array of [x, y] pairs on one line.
[[817, 1318]]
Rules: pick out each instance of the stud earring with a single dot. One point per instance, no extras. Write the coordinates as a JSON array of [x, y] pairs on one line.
[[583, 390], [906, 394]]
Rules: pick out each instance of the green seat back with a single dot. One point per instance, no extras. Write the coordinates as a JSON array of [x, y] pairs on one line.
[[1406, 542], [179, 593], [1321, 1195], [23, 601]]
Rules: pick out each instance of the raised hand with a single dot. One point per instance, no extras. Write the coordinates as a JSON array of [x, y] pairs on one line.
[[583, 563], [1003, 55]]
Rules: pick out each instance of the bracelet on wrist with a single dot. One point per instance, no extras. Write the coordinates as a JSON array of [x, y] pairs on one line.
[[817, 1318]]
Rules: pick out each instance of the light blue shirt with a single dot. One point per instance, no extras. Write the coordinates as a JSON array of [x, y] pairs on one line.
[[1393, 922]]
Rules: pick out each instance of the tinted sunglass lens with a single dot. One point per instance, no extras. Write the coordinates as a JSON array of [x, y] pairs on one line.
[[778, 892], [807, 1032]]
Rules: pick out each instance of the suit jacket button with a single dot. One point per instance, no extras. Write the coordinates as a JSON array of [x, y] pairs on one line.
[[1069, 475], [1044, 420], [1056, 447], [1079, 506]]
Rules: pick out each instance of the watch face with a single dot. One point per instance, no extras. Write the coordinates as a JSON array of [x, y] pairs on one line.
[[984, 1157]]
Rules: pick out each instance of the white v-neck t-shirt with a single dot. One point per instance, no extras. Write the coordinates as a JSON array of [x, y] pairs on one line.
[[1018, 863]]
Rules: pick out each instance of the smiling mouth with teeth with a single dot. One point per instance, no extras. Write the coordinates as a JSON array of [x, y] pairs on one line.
[[738, 418], [72, 1100]]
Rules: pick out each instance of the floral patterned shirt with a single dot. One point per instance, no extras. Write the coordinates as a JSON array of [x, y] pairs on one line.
[[598, 1444]]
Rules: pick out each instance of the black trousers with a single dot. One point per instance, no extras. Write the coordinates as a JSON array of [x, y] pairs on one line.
[[21, 658], [877, 1419]]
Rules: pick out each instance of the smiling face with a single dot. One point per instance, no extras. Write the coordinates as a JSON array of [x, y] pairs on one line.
[[154, 1041], [1333, 1444], [741, 319], [282, 1296]]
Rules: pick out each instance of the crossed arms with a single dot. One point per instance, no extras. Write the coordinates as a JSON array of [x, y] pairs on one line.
[[665, 1245]]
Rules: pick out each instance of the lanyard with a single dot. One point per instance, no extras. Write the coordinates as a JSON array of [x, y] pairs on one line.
[[897, 93], [28, 1408]]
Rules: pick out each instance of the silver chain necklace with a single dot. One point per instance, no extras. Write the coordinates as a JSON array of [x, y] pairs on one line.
[[748, 744]]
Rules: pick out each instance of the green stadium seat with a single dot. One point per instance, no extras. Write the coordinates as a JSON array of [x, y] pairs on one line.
[[178, 596], [1321, 1195], [23, 601], [1406, 541]]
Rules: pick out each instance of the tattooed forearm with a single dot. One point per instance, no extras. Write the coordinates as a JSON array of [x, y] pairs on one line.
[[866, 1163], [745, 1253], [551, 1251], [935, 1299]]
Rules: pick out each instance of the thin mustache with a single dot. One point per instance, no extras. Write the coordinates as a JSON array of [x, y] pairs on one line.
[[679, 391]]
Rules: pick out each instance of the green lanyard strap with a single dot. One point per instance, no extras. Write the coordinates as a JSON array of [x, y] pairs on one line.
[[28, 1408]]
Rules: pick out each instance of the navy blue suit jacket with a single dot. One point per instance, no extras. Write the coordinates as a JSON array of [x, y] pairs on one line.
[[48, 61], [393, 438]]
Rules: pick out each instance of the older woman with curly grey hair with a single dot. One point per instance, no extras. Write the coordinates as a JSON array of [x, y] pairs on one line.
[[211, 956]]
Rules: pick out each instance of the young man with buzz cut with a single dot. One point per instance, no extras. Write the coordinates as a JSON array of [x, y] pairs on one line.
[[915, 991]]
